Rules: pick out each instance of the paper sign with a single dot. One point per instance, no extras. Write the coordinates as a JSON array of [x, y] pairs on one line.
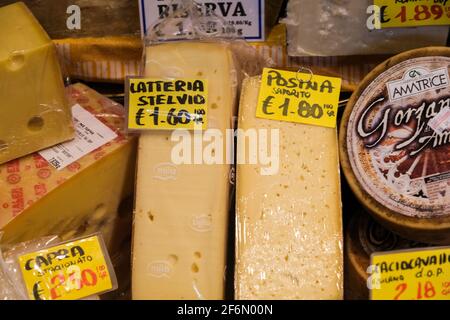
[[90, 134], [167, 104], [416, 274], [246, 17], [70, 271], [394, 13], [298, 97]]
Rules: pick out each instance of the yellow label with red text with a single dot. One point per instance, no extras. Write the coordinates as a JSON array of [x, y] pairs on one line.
[[69, 271], [298, 97], [416, 274], [394, 13]]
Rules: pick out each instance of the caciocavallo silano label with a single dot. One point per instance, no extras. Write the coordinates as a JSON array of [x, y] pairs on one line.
[[298, 97], [157, 104], [415, 274]]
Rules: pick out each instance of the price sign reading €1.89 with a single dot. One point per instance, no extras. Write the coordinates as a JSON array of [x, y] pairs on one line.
[[70, 271], [298, 97], [394, 13], [416, 274], [167, 104]]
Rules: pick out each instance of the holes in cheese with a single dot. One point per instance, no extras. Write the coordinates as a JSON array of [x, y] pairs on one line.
[[34, 113], [190, 200], [289, 228]]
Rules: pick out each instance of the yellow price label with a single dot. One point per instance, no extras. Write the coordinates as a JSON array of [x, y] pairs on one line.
[[394, 13], [422, 274], [157, 104], [69, 271], [298, 97]]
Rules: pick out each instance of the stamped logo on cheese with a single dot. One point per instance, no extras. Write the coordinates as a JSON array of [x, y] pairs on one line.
[[165, 171], [396, 156], [202, 223], [159, 269]]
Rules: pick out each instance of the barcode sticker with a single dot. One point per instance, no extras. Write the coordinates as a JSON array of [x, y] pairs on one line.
[[90, 134]]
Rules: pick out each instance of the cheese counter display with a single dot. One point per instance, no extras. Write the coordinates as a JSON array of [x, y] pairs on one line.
[[245, 152]]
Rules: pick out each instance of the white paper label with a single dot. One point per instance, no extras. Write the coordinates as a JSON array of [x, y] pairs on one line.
[[246, 16], [416, 81], [441, 121], [90, 134]]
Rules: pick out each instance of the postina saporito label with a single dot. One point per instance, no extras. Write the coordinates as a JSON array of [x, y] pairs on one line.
[[298, 97]]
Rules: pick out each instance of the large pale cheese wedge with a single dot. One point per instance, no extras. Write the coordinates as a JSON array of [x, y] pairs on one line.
[[339, 28], [37, 200], [181, 211], [289, 229], [34, 113]]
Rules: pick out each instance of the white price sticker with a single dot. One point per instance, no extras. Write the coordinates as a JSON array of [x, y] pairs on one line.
[[245, 16], [441, 121], [90, 134]]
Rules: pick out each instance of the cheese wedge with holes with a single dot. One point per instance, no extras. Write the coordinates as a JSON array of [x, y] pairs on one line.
[[181, 210], [37, 200], [289, 224], [34, 113]]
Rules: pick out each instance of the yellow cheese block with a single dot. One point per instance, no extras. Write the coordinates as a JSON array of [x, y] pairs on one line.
[[34, 113], [289, 224], [83, 198], [181, 211]]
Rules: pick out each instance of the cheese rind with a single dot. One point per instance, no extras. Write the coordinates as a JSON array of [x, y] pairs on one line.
[[34, 113], [289, 229], [339, 28], [181, 211], [37, 200]]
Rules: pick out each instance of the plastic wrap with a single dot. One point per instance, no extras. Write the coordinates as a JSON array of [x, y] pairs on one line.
[[337, 28], [288, 220], [181, 207], [34, 112], [12, 281], [37, 199]]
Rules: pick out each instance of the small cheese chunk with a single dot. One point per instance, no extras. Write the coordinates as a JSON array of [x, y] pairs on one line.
[[339, 28], [289, 228], [37, 200], [34, 113], [181, 211]]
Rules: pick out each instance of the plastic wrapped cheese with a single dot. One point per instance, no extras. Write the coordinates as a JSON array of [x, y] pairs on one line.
[[339, 28], [34, 113], [181, 210], [289, 224], [38, 200]]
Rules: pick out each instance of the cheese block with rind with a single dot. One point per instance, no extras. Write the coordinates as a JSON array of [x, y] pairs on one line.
[[289, 224], [181, 210], [398, 167], [37, 200], [34, 113]]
